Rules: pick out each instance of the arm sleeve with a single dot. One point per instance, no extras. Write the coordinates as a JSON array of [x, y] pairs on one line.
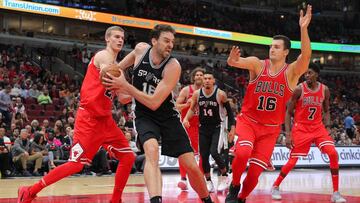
[[229, 114]]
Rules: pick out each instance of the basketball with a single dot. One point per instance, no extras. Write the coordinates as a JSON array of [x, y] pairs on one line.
[[112, 69]]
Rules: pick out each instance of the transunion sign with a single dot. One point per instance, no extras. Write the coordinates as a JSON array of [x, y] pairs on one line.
[[100, 17]]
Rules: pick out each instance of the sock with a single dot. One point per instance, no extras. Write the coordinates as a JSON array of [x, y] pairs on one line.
[[126, 161], [207, 199], [55, 175], [251, 180], [285, 170], [334, 165], [156, 199], [242, 155]]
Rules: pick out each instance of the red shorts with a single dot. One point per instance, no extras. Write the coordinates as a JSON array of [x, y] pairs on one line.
[[91, 133], [193, 133], [304, 135], [261, 138]]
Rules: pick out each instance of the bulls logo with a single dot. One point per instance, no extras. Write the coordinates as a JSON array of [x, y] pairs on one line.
[[76, 152]]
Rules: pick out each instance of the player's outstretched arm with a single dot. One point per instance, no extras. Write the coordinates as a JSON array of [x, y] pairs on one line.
[[300, 66], [235, 60]]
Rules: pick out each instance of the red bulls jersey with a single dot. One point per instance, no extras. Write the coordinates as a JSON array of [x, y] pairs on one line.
[[195, 118], [93, 96], [308, 108], [266, 97]]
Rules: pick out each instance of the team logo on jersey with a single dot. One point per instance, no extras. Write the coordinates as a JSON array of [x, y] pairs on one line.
[[109, 94], [149, 77], [76, 152]]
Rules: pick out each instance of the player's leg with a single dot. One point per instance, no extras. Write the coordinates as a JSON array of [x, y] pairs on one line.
[[326, 145], [215, 150], [118, 146], [204, 146], [86, 143], [302, 140], [175, 143], [263, 148], [242, 153], [148, 135]]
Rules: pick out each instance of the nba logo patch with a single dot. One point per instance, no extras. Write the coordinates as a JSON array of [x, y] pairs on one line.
[[76, 152]]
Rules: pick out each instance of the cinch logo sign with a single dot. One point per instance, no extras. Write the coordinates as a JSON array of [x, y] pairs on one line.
[[31, 6]]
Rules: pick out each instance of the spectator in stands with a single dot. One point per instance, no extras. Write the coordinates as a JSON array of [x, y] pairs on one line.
[[44, 98], [45, 125], [5, 167], [20, 108], [35, 126], [17, 120], [54, 145], [6, 139], [34, 92], [349, 125], [54, 93], [20, 153], [38, 145], [15, 91], [6, 105]]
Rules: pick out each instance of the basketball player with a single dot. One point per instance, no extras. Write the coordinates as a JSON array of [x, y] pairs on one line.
[[309, 100], [183, 104], [156, 74], [211, 100], [263, 110], [94, 126]]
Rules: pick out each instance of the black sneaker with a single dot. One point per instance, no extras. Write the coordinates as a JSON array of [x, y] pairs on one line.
[[232, 196], [26, 173], [241, 200], [36, 173]]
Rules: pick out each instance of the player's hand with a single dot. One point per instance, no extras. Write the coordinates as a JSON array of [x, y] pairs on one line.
[[186, 123], [115, 83], [289, 142], [304, 21], [234, 56], [231, 135]]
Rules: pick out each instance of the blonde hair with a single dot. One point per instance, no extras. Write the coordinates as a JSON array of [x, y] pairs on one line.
[[112, 28]]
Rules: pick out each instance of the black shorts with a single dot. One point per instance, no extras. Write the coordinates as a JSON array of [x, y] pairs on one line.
[[171, 133]]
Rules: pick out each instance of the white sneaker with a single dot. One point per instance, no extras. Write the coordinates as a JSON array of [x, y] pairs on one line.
[[222, 183], [210, 186], [182, 184], [336, 197], [275, 193]]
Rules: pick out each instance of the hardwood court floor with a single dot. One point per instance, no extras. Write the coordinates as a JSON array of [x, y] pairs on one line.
[[301, 185]]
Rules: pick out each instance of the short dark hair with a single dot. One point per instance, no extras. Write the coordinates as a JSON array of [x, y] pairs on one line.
[[315, 67], [209, 73], [159, 28], [286, 40], [193, 72]]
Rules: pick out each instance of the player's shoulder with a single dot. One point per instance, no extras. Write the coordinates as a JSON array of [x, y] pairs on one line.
[[141, 47], [102, 57]]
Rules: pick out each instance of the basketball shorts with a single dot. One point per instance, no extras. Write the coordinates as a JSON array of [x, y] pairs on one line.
[[91, 133], [304, 135], [171, 133], [261, 138]]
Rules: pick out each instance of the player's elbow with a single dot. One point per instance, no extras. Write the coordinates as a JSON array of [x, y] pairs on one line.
[[155, 105]]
